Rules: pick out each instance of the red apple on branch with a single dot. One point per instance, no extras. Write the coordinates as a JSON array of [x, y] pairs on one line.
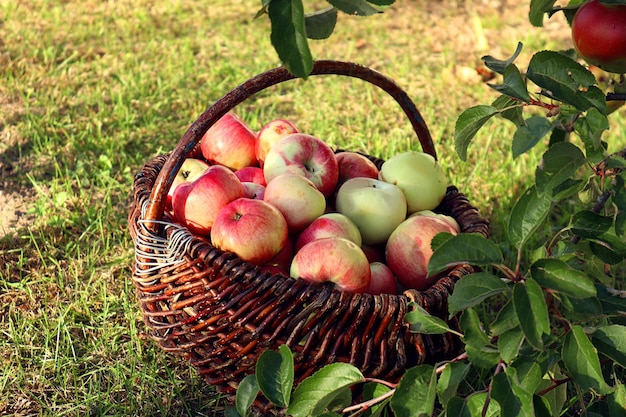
[[229, 142]]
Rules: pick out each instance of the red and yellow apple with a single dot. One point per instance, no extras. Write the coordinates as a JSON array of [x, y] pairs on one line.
[[252, 229], [420, 177], [305, 155], [333, 259], [355, 165], [269, 134], [253, 190], [376, 207], [229, 142], [196, 204], [251, 174], [382, 280], [329, 225], [190, 170]]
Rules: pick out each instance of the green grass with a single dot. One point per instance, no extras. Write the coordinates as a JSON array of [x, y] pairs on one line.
[[89, 91]]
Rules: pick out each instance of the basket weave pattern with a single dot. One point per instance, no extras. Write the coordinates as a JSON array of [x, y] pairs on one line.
[[221, 313]]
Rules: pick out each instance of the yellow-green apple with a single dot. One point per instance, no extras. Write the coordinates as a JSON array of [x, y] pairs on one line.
[[190, 170], [270, 134], [252, 229], [354, 165], [329, 225], [333, 259], [297, 198], [282, 261], [420, 177], [383, 281], [253, 190], [229, 142], [376, 207], [251, 174], [445, 217], [305, 155], [409, 250], [197, 203]]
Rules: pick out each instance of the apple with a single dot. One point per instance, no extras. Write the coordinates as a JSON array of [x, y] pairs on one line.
[[270, 134], [376, 207], [251, 174], [253, 190], [297, 198], [445, 217], [382, 279], [196, 204], [333, 259], [229, 142], [329, 225], [374, 253], [282, 261], [305, 155], [252, 229], [419, 176], [409, 250], [354, 165], [189, 171]]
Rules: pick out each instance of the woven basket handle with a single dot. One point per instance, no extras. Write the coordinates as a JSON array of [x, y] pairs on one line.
[[193, 135]]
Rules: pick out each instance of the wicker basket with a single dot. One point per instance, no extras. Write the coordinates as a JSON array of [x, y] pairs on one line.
[[221, 313]]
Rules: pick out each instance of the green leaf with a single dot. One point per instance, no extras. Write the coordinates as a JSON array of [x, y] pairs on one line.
[[611, 341], [354, 7], [617, 401], [557, 396], [527, 216], [318, 390], [611, 301], [472, 406], [509, 344], [510, 109], [416, 392], [532, 312], [590, 127], [485, 357], [382, 2], [247, 392], [505, 320], [231, 411], [557, 165], [513, 400], [499, 65], [373, 390], [452, 375], [564, 79], [288, 36], [275, 374], [320, 24], [538, 8], [588, 224], [470, 248], [513, 84], [529, 134], [468, 124], [421, 321], [473, 333], [473, 289], [559, 276], [581, 361]]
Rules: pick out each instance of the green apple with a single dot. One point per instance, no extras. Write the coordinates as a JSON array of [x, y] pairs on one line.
[[376, 207], [419, 176]]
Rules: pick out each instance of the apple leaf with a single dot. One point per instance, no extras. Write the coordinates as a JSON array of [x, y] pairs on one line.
[[510, 109], [509, 344], [588, 224], [472, 406], [529, 134], [581, 361], [513, 84], [558, 164], [473, 289], [532, 312], [421, 321], [382, 2], [464, 248], [247, 392], [321, 388], [537, 10], [288, 36], [617, 401], [514, 401], [485, 357], [275, 375], [528, 214], [468, 124], [354, 7], [473, 330], [611, 341], [559, 276], [500, 65], [450, 378], [320, 24], [505, 320], [590, 128], [416, 393]]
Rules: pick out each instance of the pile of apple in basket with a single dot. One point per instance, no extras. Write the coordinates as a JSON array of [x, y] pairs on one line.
[[285, 201]]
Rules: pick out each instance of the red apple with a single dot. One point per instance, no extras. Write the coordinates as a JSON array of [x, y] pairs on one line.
[[251, 174], [270, 134], [229, 142], [383, 281], [355, 165], [190, 170], [333, 259], [305, 155], [253, 229], [445, 217], [329, 225], [297, 198], [197, 203], [253, 190], [408, 249]]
